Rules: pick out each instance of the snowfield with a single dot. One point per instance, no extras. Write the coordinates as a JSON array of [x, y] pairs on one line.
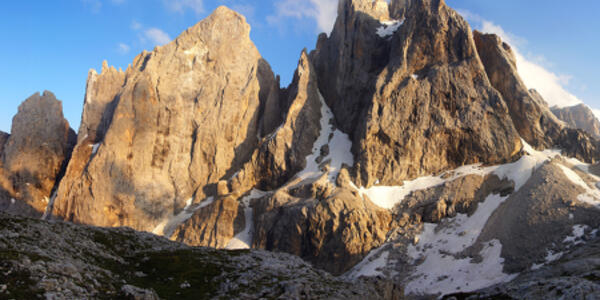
[[388, 28], [439, 254], [243, 240], [339, 148], [167, 227]]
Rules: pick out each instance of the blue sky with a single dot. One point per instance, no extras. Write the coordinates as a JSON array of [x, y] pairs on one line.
[[51, 45]]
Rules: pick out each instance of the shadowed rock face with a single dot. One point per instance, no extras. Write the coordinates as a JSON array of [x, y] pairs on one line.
[[3, 139], [531, 117], [185, 116], [579, 116], [99, 103], [34, 154], [416, 102], [529, 112]]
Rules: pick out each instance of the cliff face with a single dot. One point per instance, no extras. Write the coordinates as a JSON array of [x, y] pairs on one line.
[[34, 155], [579, 116], [412, 92], [533, 119], [187, 114]]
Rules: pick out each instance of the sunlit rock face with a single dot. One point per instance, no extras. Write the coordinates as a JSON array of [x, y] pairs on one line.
[[33, 155], [172, 125], [579, 116], [416, 100]]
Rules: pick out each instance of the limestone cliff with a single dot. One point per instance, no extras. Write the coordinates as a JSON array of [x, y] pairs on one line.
[[185, 116], [34, 155], [411, 92], [579, 116]]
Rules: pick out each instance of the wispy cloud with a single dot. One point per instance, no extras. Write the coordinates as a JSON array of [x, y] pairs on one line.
[[152, 35], [182, 5], [322, 11], [549, 84], [123, 48], [157, 36]]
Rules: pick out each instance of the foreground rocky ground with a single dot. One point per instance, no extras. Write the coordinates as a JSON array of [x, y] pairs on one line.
[[56, 260]]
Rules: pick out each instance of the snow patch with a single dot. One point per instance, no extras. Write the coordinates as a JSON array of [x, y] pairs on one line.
[[243, 240], [388, 28], [95, 148], [519, 172], [576, 237], [591, 195], [49, 207], [339, 148], [167, 227], [371, 265], [442, 270]]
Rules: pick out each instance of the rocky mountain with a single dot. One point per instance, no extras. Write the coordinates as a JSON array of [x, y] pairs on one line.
[[407, 158], [579, 116], [33, 157]]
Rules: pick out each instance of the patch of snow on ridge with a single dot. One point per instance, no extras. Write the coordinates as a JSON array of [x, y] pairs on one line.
[[95, 148], [243, 240], [441, 270], [49, 207], [371, 265], [167, 227], [339, 147], [388, 28], [576, 237], [518, 172], [591, 195]]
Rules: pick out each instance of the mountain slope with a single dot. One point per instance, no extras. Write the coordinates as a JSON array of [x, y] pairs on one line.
[[579, 116], [64, 261]]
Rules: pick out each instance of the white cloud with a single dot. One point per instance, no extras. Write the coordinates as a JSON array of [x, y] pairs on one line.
[[181, 5], [322, 11], [157, 36], [549, 84], [123, 48]]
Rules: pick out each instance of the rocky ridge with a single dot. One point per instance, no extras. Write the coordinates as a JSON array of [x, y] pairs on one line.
[[579, 116]]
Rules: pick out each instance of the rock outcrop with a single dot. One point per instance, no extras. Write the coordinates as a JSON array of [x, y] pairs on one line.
[[3, 139], [579, 116], [533, 120], [283, 153], [529, 112], [334, 228], [100, 101], [34, 155], [187, 115], [416, 100]]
